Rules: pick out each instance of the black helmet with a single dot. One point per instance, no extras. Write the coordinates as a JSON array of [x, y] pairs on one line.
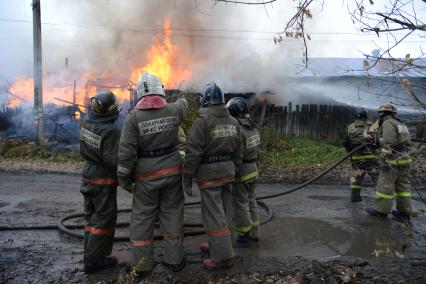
[[211, 95], [362, 113], [104, 103], [238, 107]]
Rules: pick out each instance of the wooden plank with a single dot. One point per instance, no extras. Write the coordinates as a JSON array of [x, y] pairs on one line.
[[289, 120], [317, 122], [312, 117], [297, 121]]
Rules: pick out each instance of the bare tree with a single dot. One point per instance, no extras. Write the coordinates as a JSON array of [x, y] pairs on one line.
[[395, 20]]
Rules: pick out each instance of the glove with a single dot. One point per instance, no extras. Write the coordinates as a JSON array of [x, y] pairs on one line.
[[130, 188], [127, 185], [187, 186], [385, 153], [368, 137], [182, 155]]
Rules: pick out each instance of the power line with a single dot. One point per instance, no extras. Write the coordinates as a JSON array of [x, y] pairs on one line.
[[290, 40], [156, 30]]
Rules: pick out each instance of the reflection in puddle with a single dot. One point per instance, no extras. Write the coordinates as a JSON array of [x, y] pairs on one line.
[[313, 238]]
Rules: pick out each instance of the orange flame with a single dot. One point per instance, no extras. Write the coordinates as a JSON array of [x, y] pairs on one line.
[[161, 59]]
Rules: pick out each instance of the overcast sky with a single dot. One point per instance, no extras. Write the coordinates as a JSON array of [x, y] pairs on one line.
[[75, 26]]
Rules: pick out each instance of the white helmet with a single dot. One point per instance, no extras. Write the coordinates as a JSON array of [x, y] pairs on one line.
[[149, 84]]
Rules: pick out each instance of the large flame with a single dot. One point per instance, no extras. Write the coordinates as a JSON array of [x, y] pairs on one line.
[[160, 59]]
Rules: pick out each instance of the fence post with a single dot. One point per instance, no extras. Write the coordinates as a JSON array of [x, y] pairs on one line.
[[297, 119], [289, 120]]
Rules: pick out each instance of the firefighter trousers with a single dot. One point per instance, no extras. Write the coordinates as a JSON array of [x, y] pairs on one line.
[[160, 199], [216, 214], [359, 170], [100, 209], [246, 216], [393, 182]]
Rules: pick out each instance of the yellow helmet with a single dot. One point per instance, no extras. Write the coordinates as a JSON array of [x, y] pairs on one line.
[[388, 107]]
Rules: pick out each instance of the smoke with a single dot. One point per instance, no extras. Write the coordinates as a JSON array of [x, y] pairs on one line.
[[216, 43], [213, 41]]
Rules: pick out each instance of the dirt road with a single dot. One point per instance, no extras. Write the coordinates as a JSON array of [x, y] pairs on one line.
[[316, 236]]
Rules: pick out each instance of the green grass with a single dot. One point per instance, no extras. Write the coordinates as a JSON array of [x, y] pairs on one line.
[[25, 150], [278, 150]]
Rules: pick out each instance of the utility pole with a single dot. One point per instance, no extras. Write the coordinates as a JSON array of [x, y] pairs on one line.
[[38, 76], [73, 93]]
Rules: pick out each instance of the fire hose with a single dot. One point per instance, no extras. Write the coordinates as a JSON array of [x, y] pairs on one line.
[[68, 229]]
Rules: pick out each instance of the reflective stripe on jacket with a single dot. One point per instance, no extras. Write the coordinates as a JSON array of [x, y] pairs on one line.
[[148, 143], [250, 139], [213, 133]]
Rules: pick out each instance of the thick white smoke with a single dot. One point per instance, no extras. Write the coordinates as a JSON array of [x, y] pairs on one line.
[[213, 40]]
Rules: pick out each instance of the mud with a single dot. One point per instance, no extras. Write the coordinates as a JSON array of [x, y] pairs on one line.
[[316, 236]]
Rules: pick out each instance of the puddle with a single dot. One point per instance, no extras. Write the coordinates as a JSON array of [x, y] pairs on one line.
[[11, 201], [317, 239], [312, 238]]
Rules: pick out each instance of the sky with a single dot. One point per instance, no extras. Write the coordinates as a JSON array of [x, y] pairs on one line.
[[89, 33]]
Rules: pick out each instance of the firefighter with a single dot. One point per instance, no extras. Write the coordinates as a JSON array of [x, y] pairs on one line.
[[98, 146], [213, 155], [364, 161], [394, 178], [150, 167], [244, 202]]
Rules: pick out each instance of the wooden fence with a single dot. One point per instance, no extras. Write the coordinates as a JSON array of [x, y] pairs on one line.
[[309, 120], [321, 121]]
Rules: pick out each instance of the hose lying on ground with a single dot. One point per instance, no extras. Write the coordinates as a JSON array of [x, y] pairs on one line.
[[67, 229]]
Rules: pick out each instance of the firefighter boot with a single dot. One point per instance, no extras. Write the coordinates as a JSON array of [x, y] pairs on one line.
[[91, 266], [243, 240], [376, 213], [176, 267], [356, 196], [210, 264], [401, 217]]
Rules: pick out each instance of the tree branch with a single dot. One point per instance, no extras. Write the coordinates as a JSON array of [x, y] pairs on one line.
[[247, 3]]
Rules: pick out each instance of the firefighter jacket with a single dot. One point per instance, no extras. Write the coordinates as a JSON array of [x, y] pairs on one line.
[[250, 140], [373, 132], [182, 141], [148, 144], [99, 140], [354, 137], [213, 150], [395, 141]]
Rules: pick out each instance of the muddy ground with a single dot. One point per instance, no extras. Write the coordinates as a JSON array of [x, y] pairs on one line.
[[268, 174], [316, 236]]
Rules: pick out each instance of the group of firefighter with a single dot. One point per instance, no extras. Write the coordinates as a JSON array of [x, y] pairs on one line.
[[154, 160], [385, 157]]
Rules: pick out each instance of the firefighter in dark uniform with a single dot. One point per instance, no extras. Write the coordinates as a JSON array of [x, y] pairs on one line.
[[99, 140], [149, 156], [246, 216], [364, 161], [213, 156]]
